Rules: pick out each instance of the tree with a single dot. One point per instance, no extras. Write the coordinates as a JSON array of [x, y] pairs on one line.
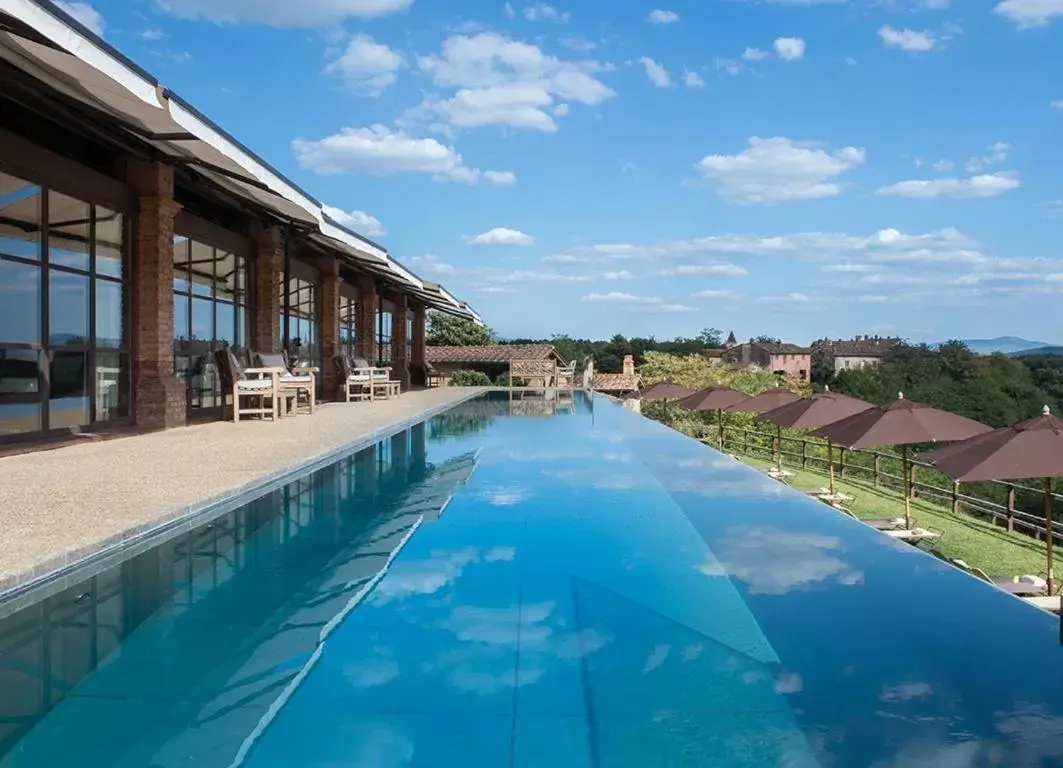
[[767, 340], [449, 331], [711, 337]]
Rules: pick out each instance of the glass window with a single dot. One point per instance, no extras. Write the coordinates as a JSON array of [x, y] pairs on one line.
[[110, 312], [113, 386], [348, 328], [20, 218], [383, 324], [68, 318], [20, 303], [110, 243], [68, 404], [69, 231], [181, 280], [302, 338]]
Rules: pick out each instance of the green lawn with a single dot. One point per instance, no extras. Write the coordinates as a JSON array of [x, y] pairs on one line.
[[975, 541]]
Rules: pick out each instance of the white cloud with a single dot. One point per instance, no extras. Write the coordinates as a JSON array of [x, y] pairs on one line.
[[500, 236], [381, 151], [639, 303], [778, 169], [627, 167], [368, 67], [504, 82], [996, 154], [565, 258], [501, 178], [151, 34], [790, 48], [1030, 13], [360, 221], [725, 270], [872, 298], [943, 165], [657, 74], [1057, 104], [578, 44], [912, 40], [881, 278], [985, 185], [693, 79], [662, 17], [850, 61], [432, 264], [789, 298], [848, 267], [623, 274], [561, 110], [531, 276], [755, 54], [543, 12], [713, 293], [283, 13], [510, 12], [84, 14]]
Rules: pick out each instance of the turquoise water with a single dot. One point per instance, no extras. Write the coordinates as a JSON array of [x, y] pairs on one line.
[[583, 589]]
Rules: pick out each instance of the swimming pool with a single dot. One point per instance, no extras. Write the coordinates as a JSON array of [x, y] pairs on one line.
[[585, 588]]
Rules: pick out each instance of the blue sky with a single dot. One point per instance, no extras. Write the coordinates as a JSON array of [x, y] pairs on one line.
[[793, 168]]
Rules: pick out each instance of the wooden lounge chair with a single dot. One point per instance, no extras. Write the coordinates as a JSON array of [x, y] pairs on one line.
[[353, 385], [879, 525], [257, 385], [913, 535], [1031, 590], [293, 382], [432, 377], [784, 476], [381, 385]]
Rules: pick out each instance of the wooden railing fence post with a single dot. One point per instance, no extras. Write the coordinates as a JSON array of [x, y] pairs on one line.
[[875, 471], [956, 497], [1011, 507], [804, 453]]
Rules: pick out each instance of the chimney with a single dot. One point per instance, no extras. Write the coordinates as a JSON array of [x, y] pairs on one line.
[[629, 365]]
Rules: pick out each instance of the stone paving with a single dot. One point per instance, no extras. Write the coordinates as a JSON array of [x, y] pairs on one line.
[[59, 506]]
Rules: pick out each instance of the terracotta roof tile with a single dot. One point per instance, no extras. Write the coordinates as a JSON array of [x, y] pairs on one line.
[[494, 353], [617, 382]]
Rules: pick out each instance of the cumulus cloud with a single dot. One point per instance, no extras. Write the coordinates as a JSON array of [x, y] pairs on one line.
[[755, 54], [544, 12], [499, 81], [368, 67], [360, 221], [283, 13], [657, 74], [432, 264], [713, 293], [789, 48], [1030, 13], [693, 79], [578, 43], [914, 41], [662, 17], [995, 154], [622, 274], [984, 185], [381, 151], [779, 169], [631, 301], [500, 236], [85, 15]]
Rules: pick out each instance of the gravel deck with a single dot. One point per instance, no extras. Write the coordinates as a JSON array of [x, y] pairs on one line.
[[57, 507]]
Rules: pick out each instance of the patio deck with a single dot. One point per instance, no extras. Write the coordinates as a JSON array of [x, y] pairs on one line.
[[57, 507]]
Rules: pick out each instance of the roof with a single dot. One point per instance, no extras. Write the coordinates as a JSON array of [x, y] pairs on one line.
[[616, 382], [783, 348], [731, 338], [866, 346], [494, 353]]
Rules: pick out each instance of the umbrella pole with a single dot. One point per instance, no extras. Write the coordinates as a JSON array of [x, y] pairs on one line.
[[907, 487], [778, 448], [1049, 534], [830, 461]]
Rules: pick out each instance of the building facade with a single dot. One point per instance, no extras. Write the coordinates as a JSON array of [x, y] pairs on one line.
[[779, 358], [136, 238], [853, 354]]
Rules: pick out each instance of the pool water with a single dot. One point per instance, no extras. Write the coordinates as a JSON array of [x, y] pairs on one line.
[[522, 584]]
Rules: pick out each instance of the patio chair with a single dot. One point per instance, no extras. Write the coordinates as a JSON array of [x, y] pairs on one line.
[[784, 476], [432, 377], [293, 382], [879, 525], [380, 382], [565, 377], [258, 385], [354, 385]]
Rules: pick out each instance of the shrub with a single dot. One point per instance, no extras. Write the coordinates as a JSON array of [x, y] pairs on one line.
[[503, 380], [470, 379]]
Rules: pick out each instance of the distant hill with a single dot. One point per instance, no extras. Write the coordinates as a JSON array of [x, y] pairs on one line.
[[1045, 350], [1008, 345]]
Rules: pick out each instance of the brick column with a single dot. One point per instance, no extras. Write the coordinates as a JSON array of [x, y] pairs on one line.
[[159, 398], [265, 333], [399, 363], [329, 269], [365, 324], [417, 343]]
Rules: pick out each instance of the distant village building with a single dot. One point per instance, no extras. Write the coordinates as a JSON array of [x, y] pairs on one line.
[[715, 356], [853, 354], [622, 385], [778, 357]]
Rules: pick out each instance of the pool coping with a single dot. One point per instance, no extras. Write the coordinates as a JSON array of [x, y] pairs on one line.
[[54, 574]]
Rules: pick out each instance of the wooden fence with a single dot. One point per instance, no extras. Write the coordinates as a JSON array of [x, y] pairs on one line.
[[1012, 506]]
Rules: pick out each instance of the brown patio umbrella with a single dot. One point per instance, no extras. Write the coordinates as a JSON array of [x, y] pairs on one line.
[[666, 390], [1030, 449], [769, 400], [825, 407], [902, 422], [713, 399]]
